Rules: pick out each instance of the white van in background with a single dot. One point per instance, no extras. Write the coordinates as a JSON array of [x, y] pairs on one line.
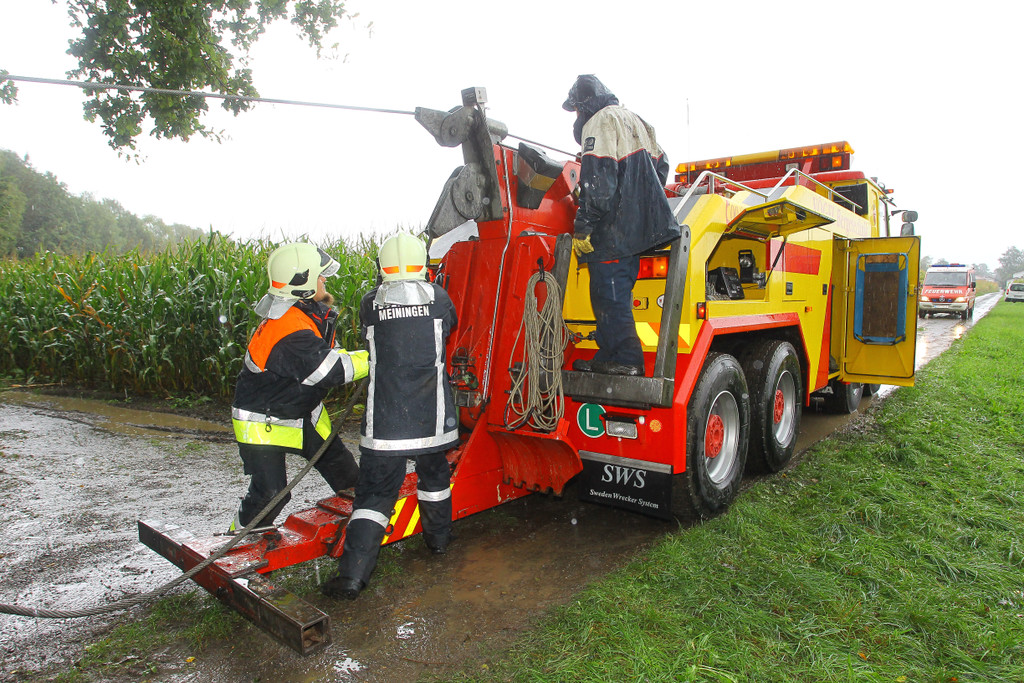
[[1014, 291]]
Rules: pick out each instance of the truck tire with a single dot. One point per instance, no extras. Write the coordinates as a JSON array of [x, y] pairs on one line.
[[717, 431], [871, 389], [772, 369], [845, 397]]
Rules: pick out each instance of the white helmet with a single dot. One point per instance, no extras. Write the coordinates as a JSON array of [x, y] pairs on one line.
[[294, 268], [403, 257]]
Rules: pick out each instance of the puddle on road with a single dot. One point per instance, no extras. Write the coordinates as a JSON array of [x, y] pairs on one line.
[[115, 418], [346, 667], [935, 334], [72, 495]]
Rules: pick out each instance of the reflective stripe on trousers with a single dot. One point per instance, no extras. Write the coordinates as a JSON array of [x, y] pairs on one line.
[[371, 515], [433, 496]]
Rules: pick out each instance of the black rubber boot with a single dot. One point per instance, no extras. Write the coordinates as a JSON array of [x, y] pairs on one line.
[[362, 546], [437, 545], [436, 517], [342, 587]]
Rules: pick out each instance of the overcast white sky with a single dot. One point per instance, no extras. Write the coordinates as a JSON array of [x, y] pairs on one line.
[[927, 93]]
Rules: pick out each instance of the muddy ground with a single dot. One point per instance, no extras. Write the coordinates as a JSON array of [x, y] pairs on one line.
[[77, 474]]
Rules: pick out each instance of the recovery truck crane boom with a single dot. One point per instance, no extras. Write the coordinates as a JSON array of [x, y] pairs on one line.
[[780, 288]]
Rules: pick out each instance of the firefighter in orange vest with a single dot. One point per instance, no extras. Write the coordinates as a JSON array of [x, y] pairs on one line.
[[410, 411], [291, 363]]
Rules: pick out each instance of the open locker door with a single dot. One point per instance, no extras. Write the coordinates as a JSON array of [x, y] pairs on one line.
[[881, 310]]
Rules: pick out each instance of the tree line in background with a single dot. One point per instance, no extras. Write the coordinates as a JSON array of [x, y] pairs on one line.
[[37, 213]]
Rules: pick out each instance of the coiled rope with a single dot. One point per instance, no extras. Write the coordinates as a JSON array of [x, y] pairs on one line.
[[125, 603], [536, 397]]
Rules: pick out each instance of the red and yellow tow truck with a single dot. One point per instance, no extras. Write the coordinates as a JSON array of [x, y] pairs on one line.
[[784, 285]]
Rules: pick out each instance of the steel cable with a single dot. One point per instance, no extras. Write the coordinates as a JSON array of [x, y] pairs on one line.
[[125, 603], [85, 85]]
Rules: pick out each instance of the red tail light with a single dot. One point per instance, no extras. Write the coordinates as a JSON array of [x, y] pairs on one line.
[[653, 267]]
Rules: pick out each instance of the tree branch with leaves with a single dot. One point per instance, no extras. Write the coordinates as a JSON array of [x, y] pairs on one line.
[[176, 45], [8, 91]]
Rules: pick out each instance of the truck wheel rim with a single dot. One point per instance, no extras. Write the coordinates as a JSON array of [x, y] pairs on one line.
[[784, 412], [714, 435], [721, 437]]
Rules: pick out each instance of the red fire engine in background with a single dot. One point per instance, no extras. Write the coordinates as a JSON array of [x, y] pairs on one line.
[[948, 288]]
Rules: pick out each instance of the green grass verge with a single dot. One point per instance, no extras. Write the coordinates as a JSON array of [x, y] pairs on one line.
[[894, 552], [987, 287], [192, 620], [185, 624]]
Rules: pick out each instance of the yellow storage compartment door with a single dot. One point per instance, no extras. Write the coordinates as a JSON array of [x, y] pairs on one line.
[[777, 218], [881, 310]]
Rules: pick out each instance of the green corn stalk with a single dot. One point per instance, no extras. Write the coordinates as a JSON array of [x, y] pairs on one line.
[[168, 324]]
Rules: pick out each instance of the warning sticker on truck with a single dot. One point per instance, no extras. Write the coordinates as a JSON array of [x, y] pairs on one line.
[[635, 485]]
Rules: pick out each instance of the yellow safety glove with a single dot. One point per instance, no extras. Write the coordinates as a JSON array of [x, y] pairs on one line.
[[360, 363], [582, 246]]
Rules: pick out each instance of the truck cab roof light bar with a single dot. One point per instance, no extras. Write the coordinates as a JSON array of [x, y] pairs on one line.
[[831, 156]]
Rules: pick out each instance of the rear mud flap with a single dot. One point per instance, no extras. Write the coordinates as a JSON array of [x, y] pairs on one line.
[[635, 485]]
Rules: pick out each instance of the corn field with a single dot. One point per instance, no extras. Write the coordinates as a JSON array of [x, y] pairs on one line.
[[170, 324]]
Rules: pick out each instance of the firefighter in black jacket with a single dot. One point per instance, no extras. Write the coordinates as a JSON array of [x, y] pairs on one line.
[[410, 413], [623, 212], [290, 364]]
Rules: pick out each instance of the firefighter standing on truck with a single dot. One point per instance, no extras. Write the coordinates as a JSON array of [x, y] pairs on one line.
[[410, 412], [622, 213], [290, 364]]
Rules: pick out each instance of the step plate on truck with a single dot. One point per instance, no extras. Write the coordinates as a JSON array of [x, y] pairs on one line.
[[636, 485]]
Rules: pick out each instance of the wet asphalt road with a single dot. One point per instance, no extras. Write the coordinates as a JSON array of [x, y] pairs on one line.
[[76, 475]]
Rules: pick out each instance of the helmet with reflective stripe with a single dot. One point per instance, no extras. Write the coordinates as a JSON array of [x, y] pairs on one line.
[[403, 257], [294, 268]]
